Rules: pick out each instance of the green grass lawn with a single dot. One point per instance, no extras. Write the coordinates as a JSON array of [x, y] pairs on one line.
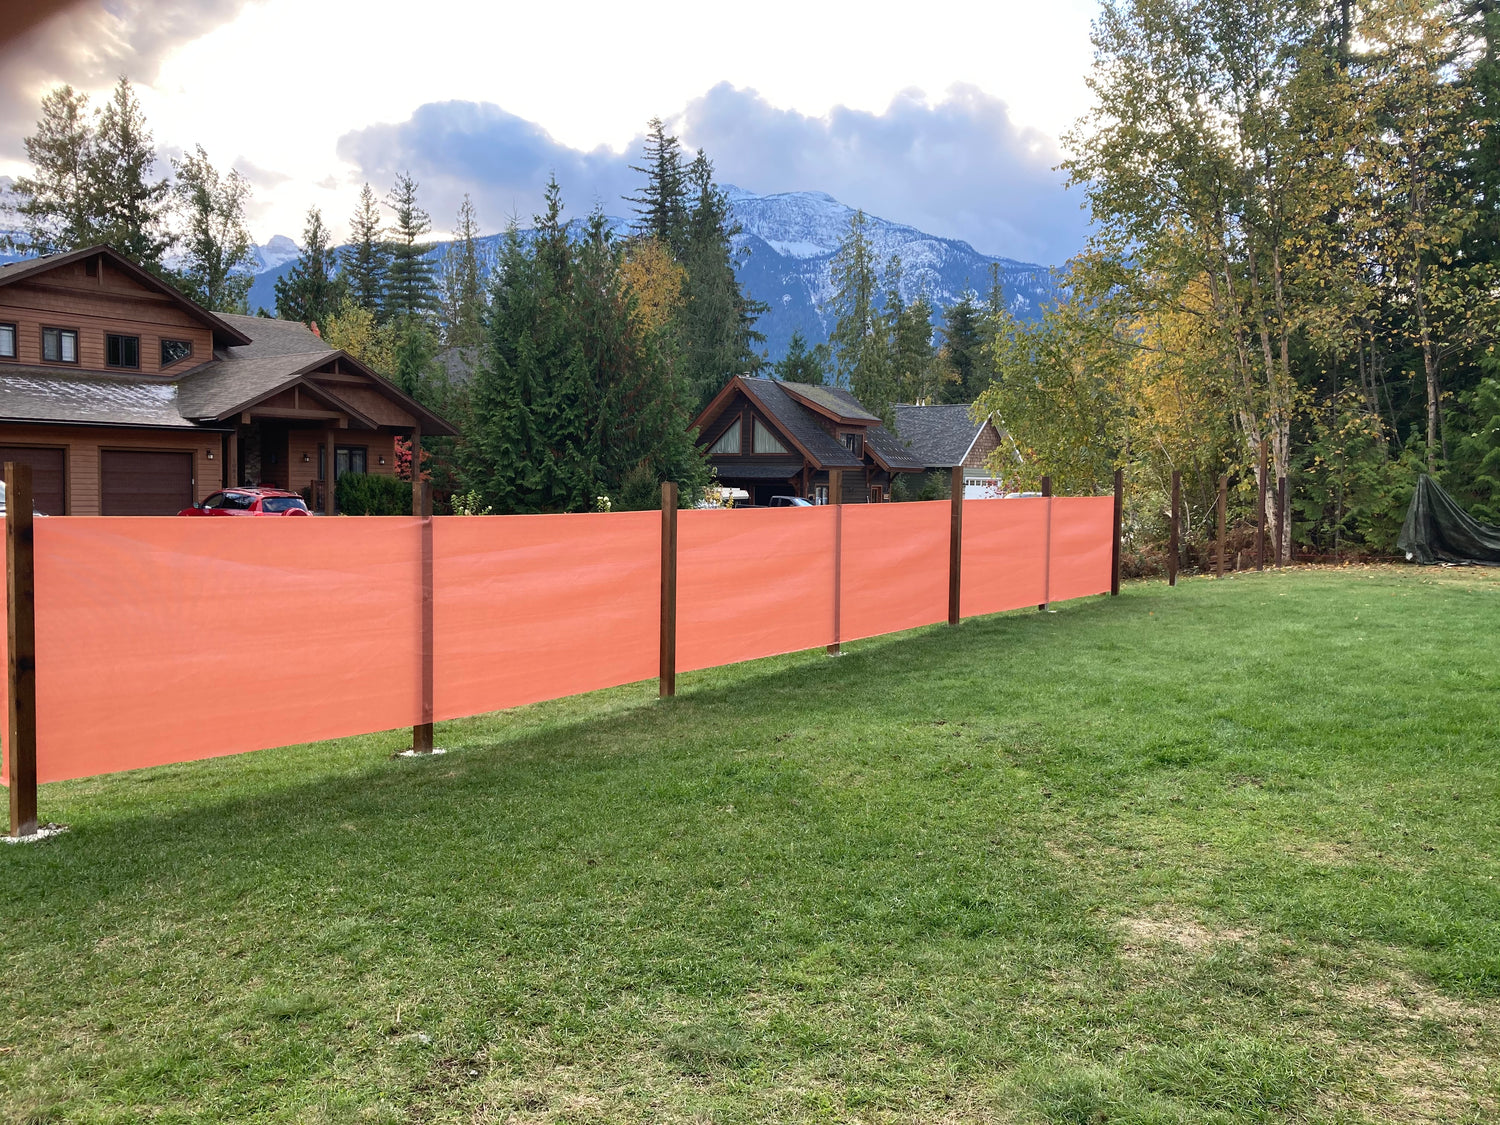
[[1220, 853]]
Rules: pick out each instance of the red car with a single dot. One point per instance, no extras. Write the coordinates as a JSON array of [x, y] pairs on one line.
[[250, 502]]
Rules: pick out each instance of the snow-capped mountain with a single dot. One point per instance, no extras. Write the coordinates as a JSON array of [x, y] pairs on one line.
[[787, 243]]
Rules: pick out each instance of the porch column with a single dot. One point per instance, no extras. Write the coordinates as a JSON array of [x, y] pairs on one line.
[[232, 458], [416, 470], [330, 435]]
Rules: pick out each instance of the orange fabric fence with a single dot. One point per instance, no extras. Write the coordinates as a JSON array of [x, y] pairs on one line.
[[1082, 537], [1004, 555], [164, 639], [894, 567], [753, 583], [528, 608]]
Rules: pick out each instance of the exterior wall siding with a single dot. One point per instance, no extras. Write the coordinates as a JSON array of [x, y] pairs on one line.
[[985, 444]]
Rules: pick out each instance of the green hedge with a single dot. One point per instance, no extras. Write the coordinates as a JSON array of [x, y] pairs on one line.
[[372, 494]]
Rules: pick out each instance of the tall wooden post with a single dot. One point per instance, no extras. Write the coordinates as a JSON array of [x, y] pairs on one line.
[[330, 436], [1047, 547], [1114, 549], [1174, 537], [667, 674], [1260, 518], [836, 498], [1281, 518], [1223, 515], [421, 507], [955, 541], [20, 602]]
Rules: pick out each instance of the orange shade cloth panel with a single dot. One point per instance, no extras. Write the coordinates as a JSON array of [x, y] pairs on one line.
[[894, 567], [1082, 546], [753, 583], [1004, 555], [167, 640], [528, 608]]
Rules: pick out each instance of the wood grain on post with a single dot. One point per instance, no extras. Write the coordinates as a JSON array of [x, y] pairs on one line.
[[20, 601], [1047, 546], [421, 506], [1174, 539], [836, 498], [955, 541], [667, 674], [1281, 519], [1223, 514], [1114, 550], [1260, 518]]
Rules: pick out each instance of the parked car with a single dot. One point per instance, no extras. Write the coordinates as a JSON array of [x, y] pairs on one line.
[[790, 502], [249, 502]]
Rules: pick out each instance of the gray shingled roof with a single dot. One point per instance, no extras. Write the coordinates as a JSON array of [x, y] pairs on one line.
[[800, 422], [836, 399], [222, 386], [937, 436], [44, 394], [889, 449], [269, 336], [759, 470]]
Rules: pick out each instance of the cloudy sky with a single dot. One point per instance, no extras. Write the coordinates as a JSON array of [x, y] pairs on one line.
[[943, 115]]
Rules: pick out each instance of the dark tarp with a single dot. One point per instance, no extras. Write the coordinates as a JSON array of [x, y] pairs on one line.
[[1438, 530]]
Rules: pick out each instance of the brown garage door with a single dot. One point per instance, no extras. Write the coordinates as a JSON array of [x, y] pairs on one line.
[[46, 475], [138, 482]]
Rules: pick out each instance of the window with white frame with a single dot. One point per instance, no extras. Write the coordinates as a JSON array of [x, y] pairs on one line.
[[765, 440]]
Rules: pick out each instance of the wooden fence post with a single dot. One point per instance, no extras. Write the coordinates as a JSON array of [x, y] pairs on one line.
[[1223, 514], [667, 675], [1260, 517], [1047, 547], [836, 498], [1174, 539], [421, 507], [20, 602], [1114, 551], [1281, 521], [955, 541]]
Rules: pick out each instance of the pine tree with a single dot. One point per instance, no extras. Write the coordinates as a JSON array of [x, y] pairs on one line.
[[411, 289], [463, 301], [366, 261], [56, 203], [216, 243], [662, 206], [962, 352], [802, 364], [858, 339], [311, 291], [131, 206]]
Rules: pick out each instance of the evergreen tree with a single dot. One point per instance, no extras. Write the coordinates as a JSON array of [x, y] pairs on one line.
[[962, 352], [411, 289], [662, 206], [366, 261], [131, 206], [858, 338], [802, 364], [57, 202], [463, 301], [216, 243], [311, 291]]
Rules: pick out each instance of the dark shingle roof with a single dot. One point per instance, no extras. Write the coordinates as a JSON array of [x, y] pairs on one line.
[[269, 336], [759, 470], [44, 394], [836, 400], [888, 449], [800, 422], [937, 436], [220, 387]]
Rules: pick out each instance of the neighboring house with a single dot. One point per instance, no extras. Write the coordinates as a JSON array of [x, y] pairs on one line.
[[944, 438], [127, 398], [782, 439]]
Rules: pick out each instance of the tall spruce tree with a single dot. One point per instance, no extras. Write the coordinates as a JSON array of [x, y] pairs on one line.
[[662, 206], [463, 299], [858, 341], [802, 364], [216, 245], [366, 261], [411, 289], [131, 202], [962, 351], [312, 290], [57, 203]]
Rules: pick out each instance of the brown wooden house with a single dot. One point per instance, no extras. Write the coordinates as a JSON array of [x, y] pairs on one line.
[[127, 398], [781, 439], [946, 437]]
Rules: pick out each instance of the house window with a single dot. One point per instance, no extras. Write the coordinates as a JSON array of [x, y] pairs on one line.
[[820, 494], [855, 444], [173, 351], [765, 440], [7, 341], [729, 440], [122, 351], [60, 345], [348, 459]]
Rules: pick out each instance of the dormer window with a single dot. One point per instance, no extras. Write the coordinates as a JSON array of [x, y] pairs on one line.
[[765, 440], [122, 351], [729, 440], [60, 345], [854, 443], [175, 351]]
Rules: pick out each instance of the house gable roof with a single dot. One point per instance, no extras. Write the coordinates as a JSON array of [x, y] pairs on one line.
[[831, 402], [889, 453], [794, 420], [940, 437]]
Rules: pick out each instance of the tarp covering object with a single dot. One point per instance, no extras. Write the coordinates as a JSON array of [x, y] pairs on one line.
[[165, 640], [894, 567], [1082, 539], [1437, 530], [528, 608], [1004, 555], [753, 583]]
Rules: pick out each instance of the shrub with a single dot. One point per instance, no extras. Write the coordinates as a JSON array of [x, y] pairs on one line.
[[373, 494]]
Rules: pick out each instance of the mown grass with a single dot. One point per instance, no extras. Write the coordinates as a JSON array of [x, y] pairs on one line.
[[1216, 854]]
